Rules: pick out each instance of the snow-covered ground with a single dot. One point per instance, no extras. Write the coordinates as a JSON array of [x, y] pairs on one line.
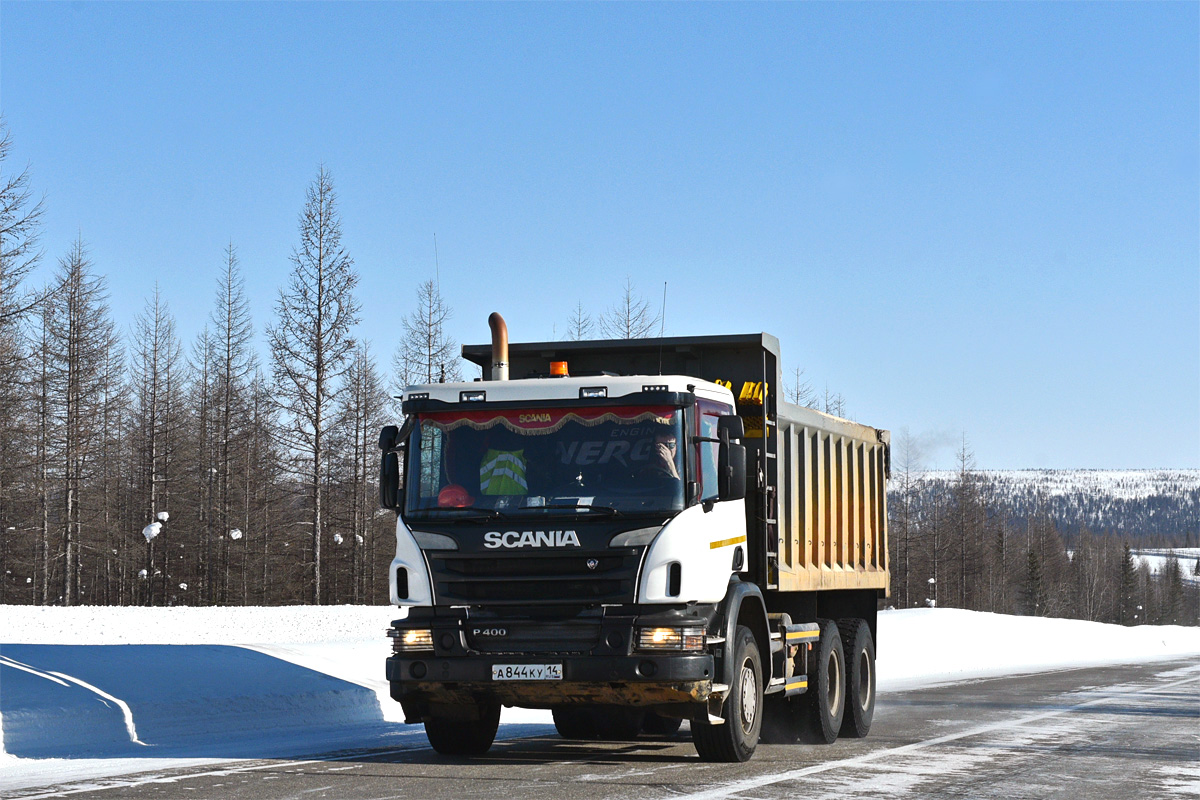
[[92, 692]]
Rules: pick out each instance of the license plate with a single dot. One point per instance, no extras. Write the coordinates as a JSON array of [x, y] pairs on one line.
[[527, 672]]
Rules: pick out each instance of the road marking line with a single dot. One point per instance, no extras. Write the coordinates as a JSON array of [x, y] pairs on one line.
[[730, 789]]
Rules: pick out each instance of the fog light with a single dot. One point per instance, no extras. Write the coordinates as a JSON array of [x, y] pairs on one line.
[[678, 639]]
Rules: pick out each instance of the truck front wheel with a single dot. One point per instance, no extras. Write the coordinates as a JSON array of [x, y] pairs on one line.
[[736, 738], [459, 735]]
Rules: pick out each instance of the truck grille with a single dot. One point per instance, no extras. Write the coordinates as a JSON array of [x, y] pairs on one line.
[[535, 579], [536, 637]]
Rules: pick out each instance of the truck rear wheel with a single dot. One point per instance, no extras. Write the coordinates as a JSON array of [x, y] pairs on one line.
[[826, 688], [454, 736], [736, 738], [860, 677]]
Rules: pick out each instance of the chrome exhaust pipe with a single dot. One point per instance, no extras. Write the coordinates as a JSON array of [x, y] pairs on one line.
[[499, 347]]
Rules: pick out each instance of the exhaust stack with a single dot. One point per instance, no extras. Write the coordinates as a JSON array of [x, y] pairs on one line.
[[499, 347]]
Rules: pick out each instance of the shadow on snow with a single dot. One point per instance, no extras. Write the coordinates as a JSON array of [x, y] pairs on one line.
[[147, 701]]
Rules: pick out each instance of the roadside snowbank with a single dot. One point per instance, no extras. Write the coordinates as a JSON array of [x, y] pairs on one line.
[[929, 646], [91, 691]]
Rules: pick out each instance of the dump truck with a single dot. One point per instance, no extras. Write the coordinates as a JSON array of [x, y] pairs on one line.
[[633, 534]]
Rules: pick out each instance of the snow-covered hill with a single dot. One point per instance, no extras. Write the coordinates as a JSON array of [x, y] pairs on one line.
[[1140, 503], [91, 692]]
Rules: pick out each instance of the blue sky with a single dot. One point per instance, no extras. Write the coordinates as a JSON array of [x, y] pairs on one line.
[[978, 219]]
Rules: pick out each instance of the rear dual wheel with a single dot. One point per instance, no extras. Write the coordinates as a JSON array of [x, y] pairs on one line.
[[826, 695], [860, 677]]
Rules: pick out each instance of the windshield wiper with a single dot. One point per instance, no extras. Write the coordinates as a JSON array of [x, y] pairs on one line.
[[612, 512], [476, 511]]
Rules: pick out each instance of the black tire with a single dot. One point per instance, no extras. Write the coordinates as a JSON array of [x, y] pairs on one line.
[[736, 738], [826, 688], [860, 677], [660, 727], [574, 722], [618, 724], [461, 737]]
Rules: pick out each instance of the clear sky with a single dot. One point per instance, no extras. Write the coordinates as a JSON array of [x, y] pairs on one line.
[[971, 218]]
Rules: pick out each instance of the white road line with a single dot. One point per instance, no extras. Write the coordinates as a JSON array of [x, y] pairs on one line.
[[749, 784]]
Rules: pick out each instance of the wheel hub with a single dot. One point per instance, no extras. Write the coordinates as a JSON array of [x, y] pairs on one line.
[[749, 702]]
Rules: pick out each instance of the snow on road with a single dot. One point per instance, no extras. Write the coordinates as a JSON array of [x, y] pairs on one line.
[[90, 692]]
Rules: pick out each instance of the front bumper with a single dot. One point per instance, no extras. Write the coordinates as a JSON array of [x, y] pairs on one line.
[[630, 680]]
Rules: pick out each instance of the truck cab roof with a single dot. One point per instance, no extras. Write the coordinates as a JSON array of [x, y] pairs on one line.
[[638, 388]]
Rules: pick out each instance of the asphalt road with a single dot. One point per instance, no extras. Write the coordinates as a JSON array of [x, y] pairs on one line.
[[1112, 732]]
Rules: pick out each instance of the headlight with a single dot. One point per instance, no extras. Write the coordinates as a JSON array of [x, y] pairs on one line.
[[411, 640], [673, 639]]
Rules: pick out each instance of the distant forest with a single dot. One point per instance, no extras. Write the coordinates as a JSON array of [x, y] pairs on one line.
[[1047, 543]]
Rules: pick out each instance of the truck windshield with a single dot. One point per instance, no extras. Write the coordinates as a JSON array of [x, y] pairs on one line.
[[546, 461]]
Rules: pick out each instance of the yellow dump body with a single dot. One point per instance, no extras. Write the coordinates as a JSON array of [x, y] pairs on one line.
[[832, 501]]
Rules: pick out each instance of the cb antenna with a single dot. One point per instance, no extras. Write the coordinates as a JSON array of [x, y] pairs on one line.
[[437, 268], [662, 327]]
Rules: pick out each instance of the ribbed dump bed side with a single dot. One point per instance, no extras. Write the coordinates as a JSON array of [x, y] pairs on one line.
[[832, 479]]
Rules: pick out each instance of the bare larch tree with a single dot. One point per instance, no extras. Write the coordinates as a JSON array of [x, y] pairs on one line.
[[155, 369], [233, 368], [311, 344], [426, 354], [630, 318], [79, 331], [580, 326]]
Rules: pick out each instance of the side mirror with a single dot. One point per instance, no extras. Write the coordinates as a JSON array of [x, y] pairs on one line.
[[731, 469], [387, 437], [390, 493], [731, 427]]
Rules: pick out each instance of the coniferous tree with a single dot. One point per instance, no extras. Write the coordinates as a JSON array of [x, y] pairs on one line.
[[311, 345], [79, 330], [1128, 587], [1035, 590], [233, 366], [426, 354], [580, 326], [156, 371], [631, 317], [20, 226]]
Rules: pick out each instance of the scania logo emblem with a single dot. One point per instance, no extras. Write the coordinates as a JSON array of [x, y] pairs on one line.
[[592, 563]]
